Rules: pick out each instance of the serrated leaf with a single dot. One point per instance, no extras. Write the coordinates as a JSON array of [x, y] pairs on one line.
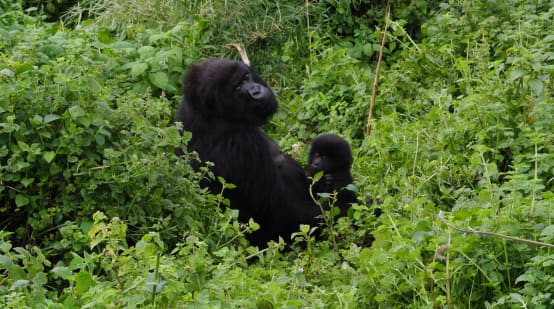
[[83, 281], [23, 146]]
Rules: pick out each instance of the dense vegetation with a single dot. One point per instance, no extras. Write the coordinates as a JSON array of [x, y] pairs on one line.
[[98, 212]]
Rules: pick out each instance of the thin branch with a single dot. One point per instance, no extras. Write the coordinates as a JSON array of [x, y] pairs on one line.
[[472, 231], [377, 71]]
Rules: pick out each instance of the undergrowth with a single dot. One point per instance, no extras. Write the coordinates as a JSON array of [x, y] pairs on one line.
[[97, 211]]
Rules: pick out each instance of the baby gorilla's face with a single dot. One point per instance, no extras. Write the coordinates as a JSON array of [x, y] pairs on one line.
[[329, 153], [318, 162]]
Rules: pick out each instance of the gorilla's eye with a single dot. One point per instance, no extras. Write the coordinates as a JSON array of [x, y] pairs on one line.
[[244, 78], [239, 85]]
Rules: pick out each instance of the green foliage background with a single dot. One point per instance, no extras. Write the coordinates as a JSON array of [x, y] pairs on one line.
[[98, 212]]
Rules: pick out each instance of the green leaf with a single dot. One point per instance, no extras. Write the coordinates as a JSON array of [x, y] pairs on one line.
[[61, 271], [104, 37], [152, 285], [159, 79], [138, 68], [5, 261], [253, 225], [83, 281], [23, 146], [23, 68], [21, 200], [76, 111], [36, 120], [27, 181], [264, 304], [146, 52], [49, 118], [317, 176], [548, 232], [516, 74], [49, 156], [536, 86]]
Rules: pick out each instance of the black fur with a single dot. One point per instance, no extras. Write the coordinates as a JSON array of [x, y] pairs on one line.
[[225, 102], [331, 154]]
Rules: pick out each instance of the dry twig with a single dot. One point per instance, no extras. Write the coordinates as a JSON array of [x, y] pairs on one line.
[[472, 231], [242, 52], [377, 71]]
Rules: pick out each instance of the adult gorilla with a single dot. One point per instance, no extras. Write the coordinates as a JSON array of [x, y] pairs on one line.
[[224, 105]]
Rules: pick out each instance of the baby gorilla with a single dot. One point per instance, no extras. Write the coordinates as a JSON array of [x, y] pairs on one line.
[[331, 154]]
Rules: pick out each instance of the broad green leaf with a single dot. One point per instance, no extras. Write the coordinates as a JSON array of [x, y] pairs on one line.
[[61, 271], [49, 156], [36, 120], [146, 52], [21, 200], [100, 139], [24, 67], [5, 261], [516, 74], [104, 36], [76, 111], [49, 118], [83, 281], [536, 86], [23, 146], [138, 68], [159, 79], [27, 181]]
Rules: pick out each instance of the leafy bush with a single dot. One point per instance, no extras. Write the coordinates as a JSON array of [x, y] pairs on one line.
[[73, 142], [98, 211]]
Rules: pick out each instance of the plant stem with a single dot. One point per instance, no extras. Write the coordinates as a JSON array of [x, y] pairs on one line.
[[377, 71], [472, 231]]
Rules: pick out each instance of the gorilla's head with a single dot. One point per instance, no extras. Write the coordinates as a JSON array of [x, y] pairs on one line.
[[228, 90], [329, 153]]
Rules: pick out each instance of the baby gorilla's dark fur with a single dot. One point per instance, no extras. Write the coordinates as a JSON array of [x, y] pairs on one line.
[[224, 104], [331, 154]]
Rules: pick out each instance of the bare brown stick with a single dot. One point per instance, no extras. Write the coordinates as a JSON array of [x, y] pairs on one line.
[[377, 71], [472, 231]]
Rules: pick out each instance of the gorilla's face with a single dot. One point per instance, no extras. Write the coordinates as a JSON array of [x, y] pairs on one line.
[[329, 153], [229, 90]]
